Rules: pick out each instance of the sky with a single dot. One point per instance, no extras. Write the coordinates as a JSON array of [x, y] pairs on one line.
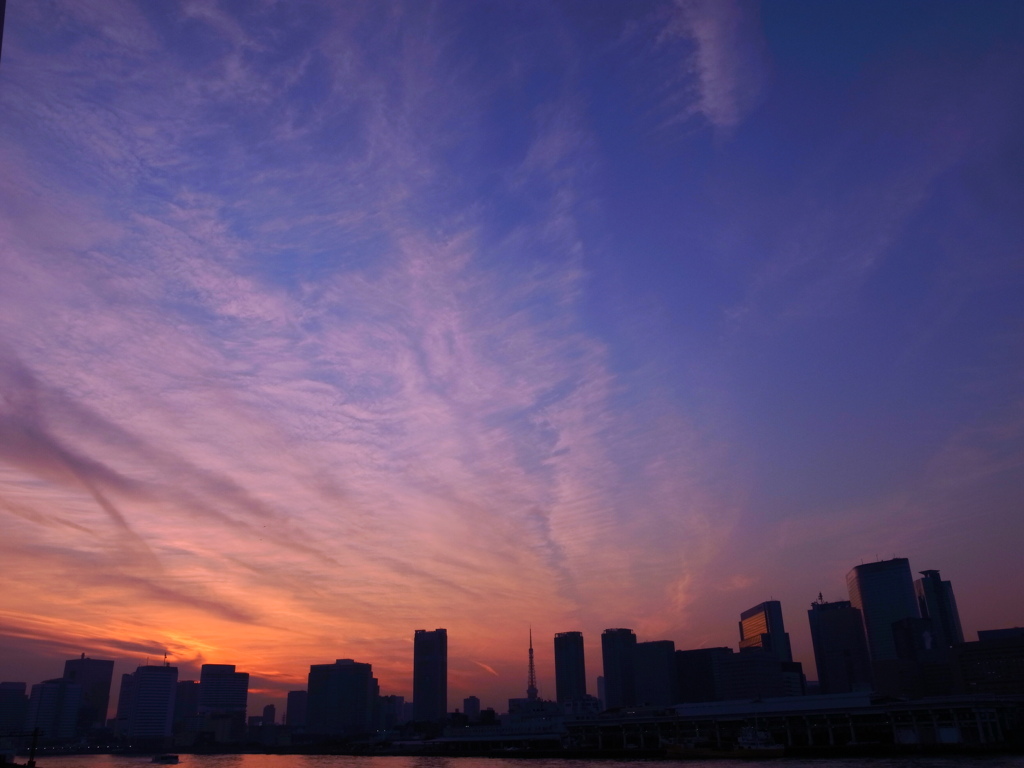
[[324, 322]]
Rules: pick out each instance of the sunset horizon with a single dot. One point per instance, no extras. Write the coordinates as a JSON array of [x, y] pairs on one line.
[[322, 323]]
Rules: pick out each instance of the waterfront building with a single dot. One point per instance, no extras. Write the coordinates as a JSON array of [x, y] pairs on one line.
[[703, 674], [145, 707], [936, 602], [94, 676], [430, 675], [884, 593], [840, 648], [655, 669], [992, 665], [295, 714], [223, 699], [53, 709], [186, 708], [618, 656], [762, 627], [13, 707], [341, 699], [570, 668]]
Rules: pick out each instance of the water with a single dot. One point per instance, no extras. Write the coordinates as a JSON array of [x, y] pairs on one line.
[[342, 761]]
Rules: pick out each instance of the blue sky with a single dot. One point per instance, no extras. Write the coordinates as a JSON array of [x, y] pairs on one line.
[[321, 323]]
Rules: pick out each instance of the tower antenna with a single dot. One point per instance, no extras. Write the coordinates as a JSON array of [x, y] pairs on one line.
[[531, 679]]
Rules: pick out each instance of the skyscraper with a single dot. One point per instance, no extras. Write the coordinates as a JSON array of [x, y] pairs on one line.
[[430, 675], [570, 668], [145, 709], [53, 708], [884, 593], [94, 676], [762, 627], [186, 707], [341, 698], [840, 648], [295, 715], [655, 668], [223, 697], [936, 602], [471, 708], [618, 656], [13, 707]]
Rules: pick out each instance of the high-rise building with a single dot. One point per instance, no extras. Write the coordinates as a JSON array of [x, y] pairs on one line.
[[186, 707], [994, 665], [936, 602], [13, 707], [222, 689], [705, 674], [145, 708], [655, 667], [53, 708], [295, 715], [430, 675], [392, 712], [471, 708], [223, 698], [762, 627], [94, 676], [884, 593], [270, 715], [570, 668], [618, 657], [840, 648], [341, 699]]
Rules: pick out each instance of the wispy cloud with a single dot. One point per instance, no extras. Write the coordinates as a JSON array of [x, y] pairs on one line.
[[413, 427], [727, 58]]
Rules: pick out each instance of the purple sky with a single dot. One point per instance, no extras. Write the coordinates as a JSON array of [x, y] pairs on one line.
[[323, 322]]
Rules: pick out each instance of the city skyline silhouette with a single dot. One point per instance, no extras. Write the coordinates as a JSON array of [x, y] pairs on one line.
[[324, 322]]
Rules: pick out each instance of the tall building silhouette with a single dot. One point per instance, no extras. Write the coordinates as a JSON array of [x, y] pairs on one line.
[[94, 676], [430, 675], [223, 698], [936, 602], [762, 627], [655, 669], [570, 668], [295, 714], [618, 656], [706, 674], [13, 707], [145, 707], [186, 707], [341, 699], [884, 594], [840, 648], [53, 708], [471, 708]]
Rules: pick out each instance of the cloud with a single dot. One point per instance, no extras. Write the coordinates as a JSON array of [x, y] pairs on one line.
[[261, 330], [726, 62], [487, 668]]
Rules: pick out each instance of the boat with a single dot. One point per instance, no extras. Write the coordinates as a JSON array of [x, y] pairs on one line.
[[165, 759], [750, 744], [754, 743]]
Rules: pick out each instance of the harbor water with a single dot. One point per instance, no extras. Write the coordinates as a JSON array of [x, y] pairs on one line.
[[341, 761]]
